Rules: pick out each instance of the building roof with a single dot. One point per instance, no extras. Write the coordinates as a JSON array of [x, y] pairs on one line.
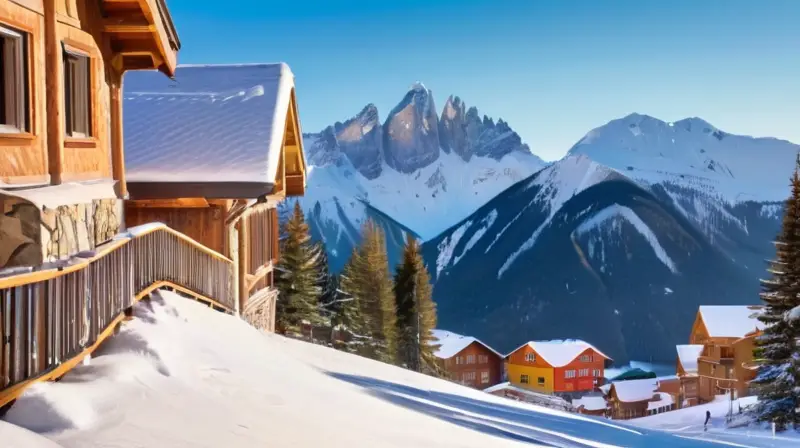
[[559, 353], [217, 125], [590, 403], [450, 344], [632, 391], [664, 399], [729, 321], [687, 356]]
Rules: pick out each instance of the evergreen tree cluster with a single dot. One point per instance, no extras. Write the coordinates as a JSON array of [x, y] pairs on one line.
[[367, 310], [777, 351]]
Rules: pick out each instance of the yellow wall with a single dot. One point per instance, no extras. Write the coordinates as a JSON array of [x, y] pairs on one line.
[[515, 371]]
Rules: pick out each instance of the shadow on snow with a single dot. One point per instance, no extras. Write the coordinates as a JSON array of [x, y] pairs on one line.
[[538, 426]]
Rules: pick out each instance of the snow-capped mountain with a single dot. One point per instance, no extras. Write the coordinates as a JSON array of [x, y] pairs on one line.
[[416, 172], [619, 242]]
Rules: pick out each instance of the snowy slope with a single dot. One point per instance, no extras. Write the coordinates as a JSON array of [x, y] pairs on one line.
[[166, 380], [693, 153], [689, 422]]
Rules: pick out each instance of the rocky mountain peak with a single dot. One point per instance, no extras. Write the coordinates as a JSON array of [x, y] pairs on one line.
[[411, 136]]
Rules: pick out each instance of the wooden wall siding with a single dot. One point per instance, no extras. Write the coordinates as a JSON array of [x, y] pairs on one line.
[[462, 372], [23, 158], [89, 158], [205, 225], [261, 247]]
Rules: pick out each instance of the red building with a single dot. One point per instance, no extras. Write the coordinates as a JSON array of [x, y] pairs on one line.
[[468, 361]]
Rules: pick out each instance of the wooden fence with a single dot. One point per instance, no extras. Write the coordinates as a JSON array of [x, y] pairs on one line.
[[53, 317]]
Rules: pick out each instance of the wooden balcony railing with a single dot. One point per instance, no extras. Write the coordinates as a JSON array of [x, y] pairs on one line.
[[54, 316]]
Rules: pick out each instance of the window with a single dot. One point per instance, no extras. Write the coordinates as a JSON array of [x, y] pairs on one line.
[[470, 359], [540, 381], [483, 359], [596, 373], [569, 374], [523, 379], [468, 376], [459, 361], [13, 81], [77, 93], [484, 377], [586, 358], [530, 357], [583, 372]]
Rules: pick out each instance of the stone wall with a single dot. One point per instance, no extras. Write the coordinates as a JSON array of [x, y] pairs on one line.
[[30, 236]]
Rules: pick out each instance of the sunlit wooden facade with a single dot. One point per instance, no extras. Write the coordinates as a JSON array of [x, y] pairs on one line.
[[62, 174]]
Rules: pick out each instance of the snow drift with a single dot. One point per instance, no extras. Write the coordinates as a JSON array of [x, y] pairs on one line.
[[182, 375]]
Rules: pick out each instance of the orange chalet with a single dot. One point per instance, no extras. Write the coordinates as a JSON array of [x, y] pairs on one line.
[[556, 366]]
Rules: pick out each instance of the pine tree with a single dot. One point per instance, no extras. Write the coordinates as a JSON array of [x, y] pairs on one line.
[[416, 311], [347, 314], [298, 276], [777, 350], [366, 279], [377, 299]]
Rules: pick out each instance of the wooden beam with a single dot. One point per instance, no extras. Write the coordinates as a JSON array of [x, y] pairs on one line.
[[53, 69], [243, 262], [169, 203], [117, 144]]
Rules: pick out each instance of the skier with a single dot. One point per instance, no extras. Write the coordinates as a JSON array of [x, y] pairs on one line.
[[708, 417]]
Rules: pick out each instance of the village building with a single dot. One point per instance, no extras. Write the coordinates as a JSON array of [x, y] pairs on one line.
[[686, 371], [211, 154], [727, 334], [636, 398], [556, 367], [62, 175], [591, 405], [468, 361]]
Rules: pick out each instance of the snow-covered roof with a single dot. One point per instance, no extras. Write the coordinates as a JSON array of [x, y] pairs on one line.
[[450, 344], [212, 124], [664, 399], [635, 390], [729, 321], [559, 353], [590, 403], [687, 355]]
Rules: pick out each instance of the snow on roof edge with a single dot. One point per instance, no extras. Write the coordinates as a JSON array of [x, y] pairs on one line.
[[588, 346], [466, 341]]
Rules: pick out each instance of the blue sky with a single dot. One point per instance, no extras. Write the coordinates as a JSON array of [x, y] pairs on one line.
[[554, 69]]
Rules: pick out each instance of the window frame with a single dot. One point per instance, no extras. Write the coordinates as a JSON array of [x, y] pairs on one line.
[[485, 377], [524, 379], [20, 108], [470, 359], [540, 381], [530, 357], [71, 53]]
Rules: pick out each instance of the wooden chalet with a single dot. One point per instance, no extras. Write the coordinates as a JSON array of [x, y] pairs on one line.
[[636, 398], [562, 367], [727, 334], [686, 371], [61, 141], [211, 154], [467, 360]]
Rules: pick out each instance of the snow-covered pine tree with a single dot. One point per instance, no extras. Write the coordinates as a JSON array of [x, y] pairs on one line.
[[416, 311], [776, 350], [298, 276]]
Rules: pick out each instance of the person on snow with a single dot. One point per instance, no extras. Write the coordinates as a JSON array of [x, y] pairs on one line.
[[708, 417]]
